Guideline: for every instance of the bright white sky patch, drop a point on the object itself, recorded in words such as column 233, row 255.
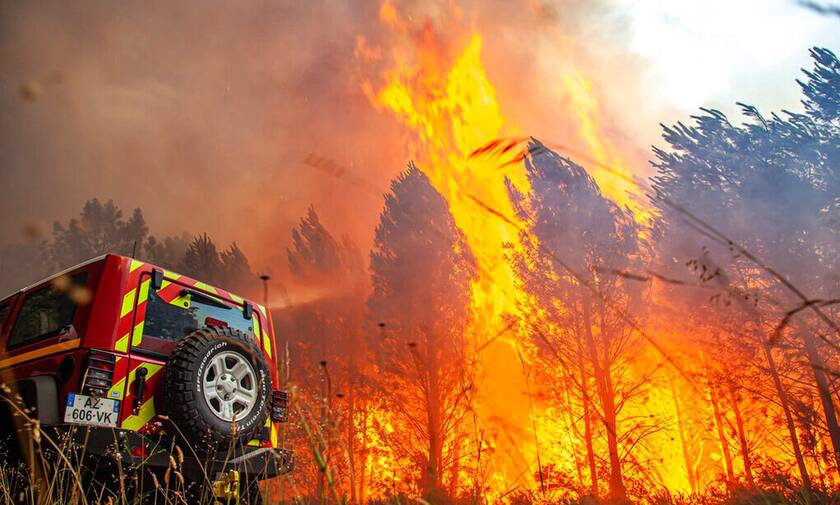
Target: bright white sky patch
column 716, row 52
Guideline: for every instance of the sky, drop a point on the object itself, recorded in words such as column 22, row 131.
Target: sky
column 204, row 113
column 722, row 51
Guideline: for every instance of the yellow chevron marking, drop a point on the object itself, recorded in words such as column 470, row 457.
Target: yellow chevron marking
column 121, row 345
column 262, row 310
column 171, row 275
column 147, row 409
column 206, row 287
column 135, row 265
column 144, row 291
column 27, row 356
column 267, row 344
column 128, row 303
column 137, row 334
column 235, row 298
column 143, row 416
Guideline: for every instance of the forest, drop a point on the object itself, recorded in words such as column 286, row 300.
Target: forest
column 688, row 352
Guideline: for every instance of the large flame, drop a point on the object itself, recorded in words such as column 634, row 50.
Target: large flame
column 451, row 108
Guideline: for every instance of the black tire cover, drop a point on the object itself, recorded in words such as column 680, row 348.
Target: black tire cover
column 183, row 396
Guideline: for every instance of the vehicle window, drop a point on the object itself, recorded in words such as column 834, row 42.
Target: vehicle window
column 4, row 311
column 45, row 312
column 169, row 321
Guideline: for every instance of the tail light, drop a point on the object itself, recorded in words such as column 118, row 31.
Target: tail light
column 99, row 373
column 279, row 402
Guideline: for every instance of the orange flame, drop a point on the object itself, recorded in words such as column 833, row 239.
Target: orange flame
column 450, row 108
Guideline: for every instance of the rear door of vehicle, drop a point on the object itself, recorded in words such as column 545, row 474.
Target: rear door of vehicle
column 162, row 317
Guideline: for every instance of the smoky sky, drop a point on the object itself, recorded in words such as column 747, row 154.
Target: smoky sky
column 203, row 113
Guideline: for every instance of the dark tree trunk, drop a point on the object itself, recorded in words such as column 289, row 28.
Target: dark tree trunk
column 742, row 436
column 434, row 417
column 689, row 468
column 818, row 367
column 791, row 427
column 606, row 395
column 724, row 444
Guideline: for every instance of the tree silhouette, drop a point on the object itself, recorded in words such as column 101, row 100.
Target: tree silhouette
column 421, row 269
column 771, row 186
column 575, row 241
column 329, row 364
column 99, row 229
column 167, row 252
column 201, row 260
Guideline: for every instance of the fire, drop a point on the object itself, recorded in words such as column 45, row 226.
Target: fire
column 451, row 111
column 608, row 167
column 440, row 91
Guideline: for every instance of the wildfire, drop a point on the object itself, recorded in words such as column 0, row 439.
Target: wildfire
column 440, row 92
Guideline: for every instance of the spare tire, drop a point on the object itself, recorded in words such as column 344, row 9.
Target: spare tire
column 217, row 385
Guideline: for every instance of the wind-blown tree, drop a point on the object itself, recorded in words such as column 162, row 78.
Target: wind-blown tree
column 769, row 191
column 421, row 268
column 99, row 229
column 576, row 246
column 329, row 364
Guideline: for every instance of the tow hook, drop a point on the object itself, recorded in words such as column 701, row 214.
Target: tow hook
column 226, row 487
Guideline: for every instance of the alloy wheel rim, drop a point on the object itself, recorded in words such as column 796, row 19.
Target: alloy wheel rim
column 230, row 386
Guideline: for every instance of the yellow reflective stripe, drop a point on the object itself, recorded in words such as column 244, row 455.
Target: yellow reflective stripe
column 122, row 344
column 262, row 310
column 254, row 443
column 27, row 356
column 128, row 303
column 137, row 335
column 147, row 409
column 135, row 265
column 267, row 344
column 143, row 416
column 171, row 275
column 144, row 291
column 206, row 287
column 273, row 435
column 235, row 298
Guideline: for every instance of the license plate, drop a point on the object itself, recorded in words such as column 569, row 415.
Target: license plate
column 92, row 411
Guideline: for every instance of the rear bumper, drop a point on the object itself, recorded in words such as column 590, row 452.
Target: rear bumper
column 154, row 452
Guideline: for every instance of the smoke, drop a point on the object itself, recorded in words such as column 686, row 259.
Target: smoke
column 203, row 113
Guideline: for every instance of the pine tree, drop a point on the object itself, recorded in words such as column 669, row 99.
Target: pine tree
column 422, row 268
column 770, row 186
column 202, row 261
column 576, row 246
column 100, row 229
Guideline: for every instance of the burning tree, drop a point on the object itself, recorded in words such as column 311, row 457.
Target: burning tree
column 752, row 211
column 576, row 311
column 421, row 269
